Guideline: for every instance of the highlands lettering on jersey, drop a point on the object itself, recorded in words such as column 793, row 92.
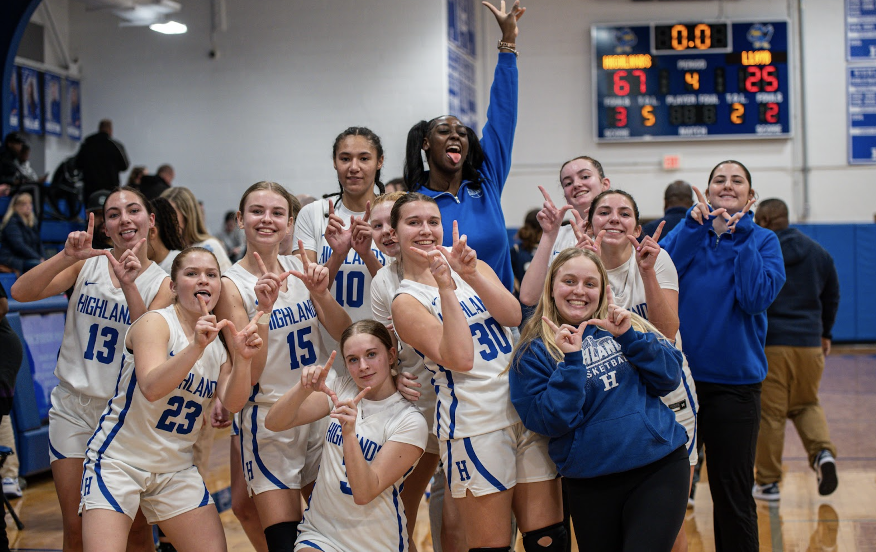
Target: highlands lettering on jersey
column 204, row 389
column 470, row 307
column 641, row 309
column 601, row 355
column 355, row 260
column 103, row 309
column 287, row 316
column 369, row 447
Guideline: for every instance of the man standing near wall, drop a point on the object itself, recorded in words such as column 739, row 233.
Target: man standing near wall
column 101, row 159
column 153, row 185
column 798, row 338
column 677, row 199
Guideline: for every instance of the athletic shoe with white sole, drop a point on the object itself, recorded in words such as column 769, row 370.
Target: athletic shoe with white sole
column 11, row 488
column 768, row 492
column 825, row 467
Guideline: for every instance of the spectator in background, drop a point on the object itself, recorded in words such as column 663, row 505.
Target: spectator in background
column 677, row 199
column 799, row 324
column 396, row 185
column 9, row 175
column 191, row 224
column 25, row 170
column 232, row 237
column 20, row 247
column 304, row 199
column 153, row 186
column 521, row 254
column 10, row 362
column 136, row 176
column 101, row 159
column 95, row 205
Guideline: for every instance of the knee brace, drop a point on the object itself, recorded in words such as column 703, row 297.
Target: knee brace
column 281, row 536
column 555, row 536
column 485, row 549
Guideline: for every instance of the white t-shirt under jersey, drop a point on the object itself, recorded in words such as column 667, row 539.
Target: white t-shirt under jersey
column 214, row 245
column 478, row 401
column 565, row 239
column 158, row 436
column 294, row 339
column 97, row 320
column 383, row 288
column 333, row 517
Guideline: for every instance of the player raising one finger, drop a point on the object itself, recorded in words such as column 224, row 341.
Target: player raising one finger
column 293, row 290
column 373, row 442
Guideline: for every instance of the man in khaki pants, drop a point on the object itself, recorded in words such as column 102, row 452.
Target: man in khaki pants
column 798, row 339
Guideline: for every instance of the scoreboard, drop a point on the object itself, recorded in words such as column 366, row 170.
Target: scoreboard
column 691, row 81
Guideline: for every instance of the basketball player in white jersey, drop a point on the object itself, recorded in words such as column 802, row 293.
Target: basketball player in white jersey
column 277, row 466
column 111, row 289
column 455, row 312
column 644, row 281
column 373, row 441
column 325, row 227
column 141, row 454
column 414, row 379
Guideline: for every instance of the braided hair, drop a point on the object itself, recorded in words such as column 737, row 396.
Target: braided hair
column 415, row 173
column 167, row 224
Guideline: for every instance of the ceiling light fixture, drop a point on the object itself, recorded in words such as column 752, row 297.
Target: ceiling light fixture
column 171, row 27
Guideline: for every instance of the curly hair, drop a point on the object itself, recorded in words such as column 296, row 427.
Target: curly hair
column 166, row 224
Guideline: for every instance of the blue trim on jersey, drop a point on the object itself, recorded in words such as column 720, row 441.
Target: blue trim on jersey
column 693, row 407
column 401, row 530
column 206, row 499
column 255, row 392
column 129, row 395
column 454, row 402
column 480, row 467
column 109, row 404
column 437, row 396
column 448, row 469
column 58, row 455
column 310, row 544
column 255, row 452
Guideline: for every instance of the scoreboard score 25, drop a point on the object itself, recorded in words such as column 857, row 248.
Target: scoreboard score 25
column 691, row 81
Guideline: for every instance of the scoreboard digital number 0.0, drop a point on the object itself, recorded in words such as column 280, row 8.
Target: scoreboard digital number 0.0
column 691, row 81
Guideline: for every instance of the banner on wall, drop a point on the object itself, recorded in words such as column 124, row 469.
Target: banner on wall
column 32, row 116
column 860, row 30
column 52, row 96
column 74, row 119
column 14, row 101
column 862, row 115
column 43, row 333
column 461, row 58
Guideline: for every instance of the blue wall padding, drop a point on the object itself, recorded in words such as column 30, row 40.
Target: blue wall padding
column 865, row 266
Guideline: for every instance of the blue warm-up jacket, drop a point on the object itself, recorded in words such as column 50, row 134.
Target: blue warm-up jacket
column 479, row 211
column 600, row 406
column 725, row 285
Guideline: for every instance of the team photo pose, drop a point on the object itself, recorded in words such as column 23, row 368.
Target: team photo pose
column 111, row 289
column 582, row 179
column 325, row 227
column 455, row 312
column 277, row 466
column 644, row 281
column 466, row 176
column 374, row 440
column 589, row 375
column 141, row 454
column 722, row 255
column 414, row 379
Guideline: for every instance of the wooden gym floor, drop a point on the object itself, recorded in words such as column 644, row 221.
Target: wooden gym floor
column 802, row 521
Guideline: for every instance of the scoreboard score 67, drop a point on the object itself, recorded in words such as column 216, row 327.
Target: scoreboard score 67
column 691, row 81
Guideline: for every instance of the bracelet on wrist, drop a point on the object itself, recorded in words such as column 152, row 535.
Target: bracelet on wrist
column 508, row 47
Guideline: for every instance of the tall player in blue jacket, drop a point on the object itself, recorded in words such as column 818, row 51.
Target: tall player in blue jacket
column 729, row 270
column 465, row 176
column 589, row 375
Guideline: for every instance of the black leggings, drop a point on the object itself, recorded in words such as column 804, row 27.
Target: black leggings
column 639, row 509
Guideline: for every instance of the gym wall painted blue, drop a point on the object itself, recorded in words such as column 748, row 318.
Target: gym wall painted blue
column 14, row 15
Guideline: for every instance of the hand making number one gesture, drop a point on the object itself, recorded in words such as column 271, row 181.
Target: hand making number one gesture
column 617, row 320
column 315, row 276
column 567, row 337
column 507, row 20
column 246, row 342
column 78, row 245
column 347, row 411
column 462, row 258
column 206, row 328
column 583, row 241
column 550, row 217
column 340, row 239
column 700, row 211
column 361, row 232
column 268, row 286
column 128, row 267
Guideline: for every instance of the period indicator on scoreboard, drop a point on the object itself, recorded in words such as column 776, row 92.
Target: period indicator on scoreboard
column 691, row 80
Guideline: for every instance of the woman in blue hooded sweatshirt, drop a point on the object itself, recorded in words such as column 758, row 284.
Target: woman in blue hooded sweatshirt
column 466, row 177
column 729, row 271
column 589, row 375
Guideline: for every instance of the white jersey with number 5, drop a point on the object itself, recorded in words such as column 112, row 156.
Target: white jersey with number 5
column 158, row 436
column 333, row 520
column 294, row 338
column 478, row 401
column 97, row 320
column 352, row 284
